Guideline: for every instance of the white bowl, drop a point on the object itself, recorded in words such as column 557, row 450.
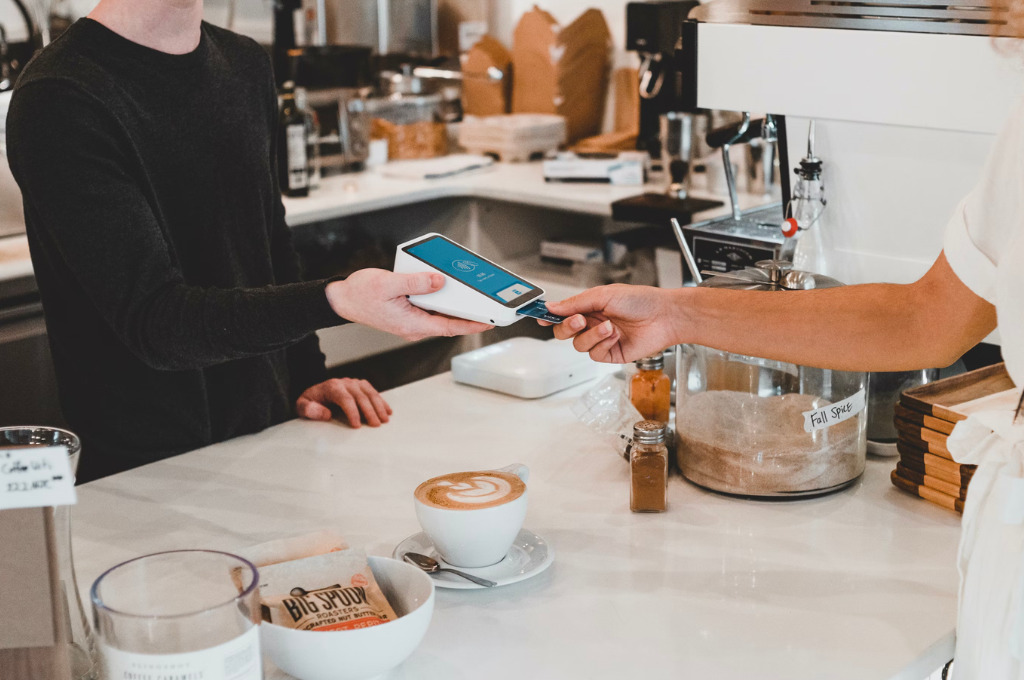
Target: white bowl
column 366, row 652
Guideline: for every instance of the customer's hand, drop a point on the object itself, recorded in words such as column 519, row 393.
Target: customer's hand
column 357, row 399
column 378, row 298
column 617, row 323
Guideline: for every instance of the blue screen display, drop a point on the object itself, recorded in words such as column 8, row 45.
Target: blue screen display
column 464, row 266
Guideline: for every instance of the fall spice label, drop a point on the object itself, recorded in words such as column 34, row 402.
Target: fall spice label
column 827, row 416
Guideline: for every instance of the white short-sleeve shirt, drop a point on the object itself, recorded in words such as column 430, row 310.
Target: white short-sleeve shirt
column 984, row 241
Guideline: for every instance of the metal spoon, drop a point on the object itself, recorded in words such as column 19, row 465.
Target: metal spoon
column 430, row 565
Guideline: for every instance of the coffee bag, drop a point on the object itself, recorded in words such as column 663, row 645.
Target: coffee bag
column 335, row 591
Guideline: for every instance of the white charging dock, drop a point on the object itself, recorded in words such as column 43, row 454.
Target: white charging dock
column 524, row 367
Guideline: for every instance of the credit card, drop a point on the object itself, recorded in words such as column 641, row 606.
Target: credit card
column 538, row 310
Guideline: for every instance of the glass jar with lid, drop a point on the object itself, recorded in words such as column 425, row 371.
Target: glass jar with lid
column 757, row 427
column 648, row 467
column 413, row 125
column 650, row 390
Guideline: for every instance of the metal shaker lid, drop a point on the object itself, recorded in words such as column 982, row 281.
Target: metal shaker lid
column 770, row 275
column 655, row 362
column 649, row 432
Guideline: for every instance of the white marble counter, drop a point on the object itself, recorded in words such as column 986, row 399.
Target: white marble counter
column 350, row 194
column 856, row 585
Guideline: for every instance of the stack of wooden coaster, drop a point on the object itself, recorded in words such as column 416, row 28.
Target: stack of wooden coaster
column 925, row 417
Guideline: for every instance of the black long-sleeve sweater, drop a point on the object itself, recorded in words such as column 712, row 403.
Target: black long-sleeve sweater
column 171, row 290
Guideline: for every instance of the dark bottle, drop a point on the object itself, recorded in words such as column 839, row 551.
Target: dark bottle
column 292, row 164
column 285, row 12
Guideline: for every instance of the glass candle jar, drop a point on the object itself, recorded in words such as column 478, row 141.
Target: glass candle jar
column 181, row 614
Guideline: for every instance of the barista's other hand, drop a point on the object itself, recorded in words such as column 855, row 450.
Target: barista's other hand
column 377, row 298
column 617, row 323
column 357, row 400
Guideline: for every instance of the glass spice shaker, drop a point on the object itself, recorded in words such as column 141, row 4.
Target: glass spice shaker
column 650, row 389
column 648, row 467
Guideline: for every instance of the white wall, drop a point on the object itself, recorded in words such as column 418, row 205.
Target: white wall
column 14, row 24
column 12, row 21
column 253, row 18
column 904, row 124
column 506, row 14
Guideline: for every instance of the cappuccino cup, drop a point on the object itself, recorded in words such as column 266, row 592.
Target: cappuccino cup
column 472, row 518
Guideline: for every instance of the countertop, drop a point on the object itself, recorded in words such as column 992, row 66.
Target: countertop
column 357, row 193
column 859, row 585
column 349, row 194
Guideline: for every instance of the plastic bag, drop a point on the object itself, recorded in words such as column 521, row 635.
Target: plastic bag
column 606, row 408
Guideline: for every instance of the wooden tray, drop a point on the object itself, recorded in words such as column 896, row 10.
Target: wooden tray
column 929, row 463
column 954, row 490
column 937, row 448
column 925, row 434
column 948, row 399
column 918, row 465
column 929, row 494
column 922, row 420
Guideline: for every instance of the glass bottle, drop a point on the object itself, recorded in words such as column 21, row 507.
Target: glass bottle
column 650, row 389
column 293, row 168
column 648, row 467
column 807, row 207
column 312, row 124
column 76, row 630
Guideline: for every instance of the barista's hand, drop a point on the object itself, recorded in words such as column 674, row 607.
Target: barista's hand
column 357, row 399
column 618, row 323
column 377, row 298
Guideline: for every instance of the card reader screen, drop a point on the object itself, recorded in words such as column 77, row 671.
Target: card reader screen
column 474, row 271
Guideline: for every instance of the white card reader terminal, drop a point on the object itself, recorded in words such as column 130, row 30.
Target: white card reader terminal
column 475, row 288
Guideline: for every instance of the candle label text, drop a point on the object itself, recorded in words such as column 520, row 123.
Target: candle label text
column 237, row 659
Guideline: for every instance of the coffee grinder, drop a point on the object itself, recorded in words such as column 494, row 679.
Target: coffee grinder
column 652, row 31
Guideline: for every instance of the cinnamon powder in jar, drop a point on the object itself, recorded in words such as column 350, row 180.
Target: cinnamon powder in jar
column 648, row 467
column 650, row 390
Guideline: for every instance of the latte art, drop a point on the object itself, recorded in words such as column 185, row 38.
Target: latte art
column 470, row 490
column 477, row 491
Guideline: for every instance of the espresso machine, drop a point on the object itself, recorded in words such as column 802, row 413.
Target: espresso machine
column 666, row 117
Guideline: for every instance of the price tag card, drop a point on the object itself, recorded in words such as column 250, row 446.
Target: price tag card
column 36, row 477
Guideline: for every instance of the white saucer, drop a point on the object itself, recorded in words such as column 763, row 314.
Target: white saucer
column 529, row 555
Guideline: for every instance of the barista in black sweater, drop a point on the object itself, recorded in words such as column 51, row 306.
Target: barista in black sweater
column 143, row 143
